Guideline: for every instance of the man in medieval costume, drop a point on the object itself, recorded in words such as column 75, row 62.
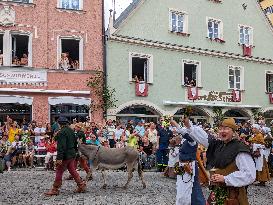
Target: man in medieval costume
column 66, row 154
column 188, row 188
column 230, row 161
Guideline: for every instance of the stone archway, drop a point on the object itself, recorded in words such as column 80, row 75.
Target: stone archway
column 238, row 114
column 199, row 114
column 136, row 109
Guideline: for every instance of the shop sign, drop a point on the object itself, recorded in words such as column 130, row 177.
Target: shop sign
column 214, row 96
column 23, row 76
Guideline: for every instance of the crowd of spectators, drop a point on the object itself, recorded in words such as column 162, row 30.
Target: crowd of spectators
column 22, row 145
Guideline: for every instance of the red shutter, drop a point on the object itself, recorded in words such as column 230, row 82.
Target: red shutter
column 142, row 89
column 192, row 93
column 236, row 96
column 247, row 50
column 271, row 98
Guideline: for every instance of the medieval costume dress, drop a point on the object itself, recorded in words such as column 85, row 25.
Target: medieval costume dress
column 188, row 188
column 258, row 145
column 232, row 160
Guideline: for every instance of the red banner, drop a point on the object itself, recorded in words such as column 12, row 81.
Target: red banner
column 236, row 95
column 142, row 89
column 192, row 93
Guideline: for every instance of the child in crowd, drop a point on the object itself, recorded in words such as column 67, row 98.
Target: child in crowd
column 173, row 157
column 51, row 148
column 29, row 154
column 92, row 140
column 122, row 141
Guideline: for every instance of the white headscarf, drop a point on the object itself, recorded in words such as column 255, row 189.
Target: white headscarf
column 258, row 127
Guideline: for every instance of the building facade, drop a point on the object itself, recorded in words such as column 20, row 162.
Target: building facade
column 49, row 49
column 267, row 6
column 190, row 53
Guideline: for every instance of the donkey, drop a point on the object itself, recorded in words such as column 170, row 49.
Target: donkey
column 113, row 158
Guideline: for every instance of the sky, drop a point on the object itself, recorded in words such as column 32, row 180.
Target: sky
column 120, row 6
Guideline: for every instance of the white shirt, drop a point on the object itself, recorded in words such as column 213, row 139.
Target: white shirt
column 39, row 130
column 118, row 133
column 244, row 162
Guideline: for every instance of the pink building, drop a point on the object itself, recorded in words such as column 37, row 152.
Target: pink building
column 49, row 49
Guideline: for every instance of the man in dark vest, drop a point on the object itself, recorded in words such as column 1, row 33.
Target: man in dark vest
column 66, row 153
column 229, row 160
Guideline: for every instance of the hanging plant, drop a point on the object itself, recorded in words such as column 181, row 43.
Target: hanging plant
column 104, row 93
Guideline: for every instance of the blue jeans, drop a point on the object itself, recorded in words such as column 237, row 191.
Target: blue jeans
column 162, row 157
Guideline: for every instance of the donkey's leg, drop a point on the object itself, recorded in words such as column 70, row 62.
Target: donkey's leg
column 140, row 174
column 130, row 174
column 103, row 177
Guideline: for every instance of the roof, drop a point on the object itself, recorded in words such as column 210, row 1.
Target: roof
column 124, row 15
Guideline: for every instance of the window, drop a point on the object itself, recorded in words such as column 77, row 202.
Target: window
column 215, row 28
column 269, row 82
column 20, row 44
column 1, row 49
column 70, row 111
column 15, row 48
column 178, row 22
column 246, row 35
column 191, row 73
column 236, row 76
column 70, row 4
column 141, row 66
column 71, row 54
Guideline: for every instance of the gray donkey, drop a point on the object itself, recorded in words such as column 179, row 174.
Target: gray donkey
column 113, row 158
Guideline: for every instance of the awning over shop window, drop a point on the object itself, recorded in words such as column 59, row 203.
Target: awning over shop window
column 69, row 100
column 16, row 99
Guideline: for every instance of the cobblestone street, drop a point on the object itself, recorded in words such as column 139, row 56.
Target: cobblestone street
column 27, row 187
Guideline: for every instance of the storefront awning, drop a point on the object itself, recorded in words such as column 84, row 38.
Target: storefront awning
column 16, row 99
column 69, row 100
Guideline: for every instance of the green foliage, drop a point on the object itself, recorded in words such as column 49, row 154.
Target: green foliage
column 256, row 113
column 219, row 116
column 105, row 94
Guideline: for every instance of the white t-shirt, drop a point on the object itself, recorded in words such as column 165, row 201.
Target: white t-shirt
column 38, row 131
column 118, row 133
column 110, row 131
column 152, row 136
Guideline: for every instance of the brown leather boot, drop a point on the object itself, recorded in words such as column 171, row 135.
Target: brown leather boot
column 55, row 189
column 81, row 186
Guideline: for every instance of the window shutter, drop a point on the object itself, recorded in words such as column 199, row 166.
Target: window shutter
column 251, row 37
column 242, row 78
column 221, row 31
column 150, row 70
column 186, row 23
column 130, row 67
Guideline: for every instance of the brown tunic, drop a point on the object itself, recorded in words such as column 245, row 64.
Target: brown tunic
column 236, row 195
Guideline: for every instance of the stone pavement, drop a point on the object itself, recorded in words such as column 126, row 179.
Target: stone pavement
column 27, row 187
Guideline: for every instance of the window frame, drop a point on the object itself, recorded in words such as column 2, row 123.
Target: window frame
column 149, row 58
column 251, row 34
column 7, row 46
column 270, row 72
column 59, row 6
column 185, row 21
column 220, row 28
column 241, row 68
column 198, row 71
column 59, row 49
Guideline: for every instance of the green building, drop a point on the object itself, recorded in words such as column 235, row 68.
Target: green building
column 207, row 54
